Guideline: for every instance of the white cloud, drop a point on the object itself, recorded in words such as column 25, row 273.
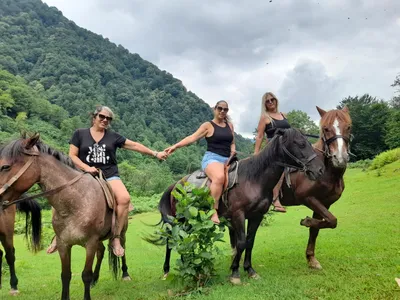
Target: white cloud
column 307, row 52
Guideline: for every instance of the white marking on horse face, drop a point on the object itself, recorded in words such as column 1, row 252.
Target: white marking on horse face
column 339, row 151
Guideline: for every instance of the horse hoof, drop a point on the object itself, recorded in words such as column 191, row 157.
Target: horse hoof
column 14, row 292
column 306, row 222
column 314, row 264
column 235, row 280
column 164, row 276
column 126, row 278
column 255, row 276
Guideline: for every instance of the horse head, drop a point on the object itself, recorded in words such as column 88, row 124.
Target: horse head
column 299, row 153
column 18, row 168
column 335, row 133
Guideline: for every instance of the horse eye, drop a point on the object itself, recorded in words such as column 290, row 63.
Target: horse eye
column 302, row 145
column 5, row 168
column 326, row 129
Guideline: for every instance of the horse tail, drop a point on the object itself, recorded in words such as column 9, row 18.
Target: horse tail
column 113, row 260
column 165, row 209
column 165, row 205
column 33, row 222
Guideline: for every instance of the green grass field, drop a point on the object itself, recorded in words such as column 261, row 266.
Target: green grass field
column 361, row 257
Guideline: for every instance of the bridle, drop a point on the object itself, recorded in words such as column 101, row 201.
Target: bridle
column 33, row 155
column 300, row 165
column 327, row 142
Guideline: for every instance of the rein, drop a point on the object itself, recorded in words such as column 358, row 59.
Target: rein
column 301, row 166
column 13, row 179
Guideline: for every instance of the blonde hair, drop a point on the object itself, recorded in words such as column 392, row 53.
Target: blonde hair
column 264, row 111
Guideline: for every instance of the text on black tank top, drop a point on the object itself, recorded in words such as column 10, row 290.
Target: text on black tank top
column 271, row 127
column 220, row 142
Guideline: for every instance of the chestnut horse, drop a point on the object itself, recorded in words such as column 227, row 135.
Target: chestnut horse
column 333, row 151
column 81, row 214
column 33, row 225
column 251, row 197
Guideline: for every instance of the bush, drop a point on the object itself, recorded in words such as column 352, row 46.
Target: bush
column 145, row 204
column 193, row 235
column 385, row 158
column 361, row 164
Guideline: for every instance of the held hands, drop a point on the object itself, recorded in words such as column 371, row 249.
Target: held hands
column 170, row 150
column 162, row 155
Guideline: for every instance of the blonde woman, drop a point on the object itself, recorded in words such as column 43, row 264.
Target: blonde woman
column 270, row 120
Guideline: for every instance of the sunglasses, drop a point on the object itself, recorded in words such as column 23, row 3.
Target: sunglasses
column 270, row 101
column 222, row 109
column 102, row 117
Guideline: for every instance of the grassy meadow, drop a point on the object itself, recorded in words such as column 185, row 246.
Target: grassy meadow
column 361, row 257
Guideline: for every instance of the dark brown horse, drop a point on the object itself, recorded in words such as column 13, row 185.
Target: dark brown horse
column 81, row 214
column 33, row 225
column 251, row 197
column 333, row 151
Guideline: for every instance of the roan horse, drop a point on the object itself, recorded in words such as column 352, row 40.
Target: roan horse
column 33, row 225
column 81, row 216
column 251, row 197
column 333, row 151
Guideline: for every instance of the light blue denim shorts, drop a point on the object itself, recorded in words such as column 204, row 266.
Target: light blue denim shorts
column 210, row 157
column 113, row 178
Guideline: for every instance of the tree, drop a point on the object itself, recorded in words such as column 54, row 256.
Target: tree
column 300, row 120
column 369, row 117
column 392, row 136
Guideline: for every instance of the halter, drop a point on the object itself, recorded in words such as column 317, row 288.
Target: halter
column 26, row 166
column 327, row 142
column 301, row 166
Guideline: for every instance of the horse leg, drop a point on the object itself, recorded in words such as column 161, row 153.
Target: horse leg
column 232, row 237
column 328, row 219
column 99, row 256
column 125, row 274
column 167, row 261
column 238, row 223
column 252, row 227
column 10, row 259
column 87, row 273
column 65, row 255
column 310, row 252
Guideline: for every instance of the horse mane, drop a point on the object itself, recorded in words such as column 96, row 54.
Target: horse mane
column 14, row 151
column 330, row 116
column 253, row 167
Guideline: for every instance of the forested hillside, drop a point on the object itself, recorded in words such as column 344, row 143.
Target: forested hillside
column 62, row 71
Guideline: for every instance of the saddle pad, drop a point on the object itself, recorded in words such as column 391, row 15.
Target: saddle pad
column 198, row 178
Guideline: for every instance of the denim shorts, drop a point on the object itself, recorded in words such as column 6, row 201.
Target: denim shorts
column 113, row 178
column 210, row 157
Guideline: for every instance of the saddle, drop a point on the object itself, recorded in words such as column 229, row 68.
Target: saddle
column 107, row 189
column 200, row 179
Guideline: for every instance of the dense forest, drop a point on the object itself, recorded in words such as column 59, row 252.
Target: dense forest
column 53, row 73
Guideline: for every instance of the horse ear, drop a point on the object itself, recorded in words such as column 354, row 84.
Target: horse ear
column 321, row 111
column 31, row 141
column 279, row 131
column 345, row 109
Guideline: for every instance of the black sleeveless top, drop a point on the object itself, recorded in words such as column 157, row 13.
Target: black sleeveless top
column 220, row 142
column 271, row 127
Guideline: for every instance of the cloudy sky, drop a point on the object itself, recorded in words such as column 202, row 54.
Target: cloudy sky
column 308, row 52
